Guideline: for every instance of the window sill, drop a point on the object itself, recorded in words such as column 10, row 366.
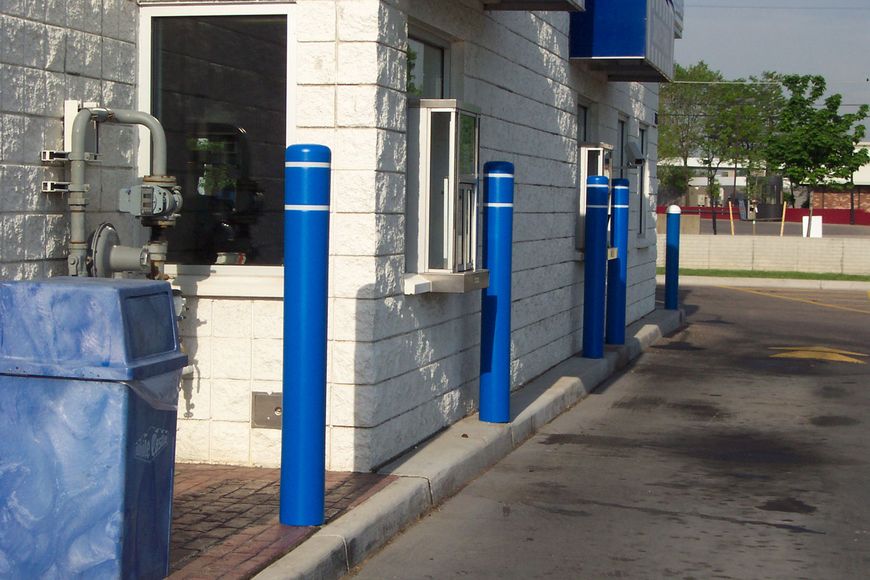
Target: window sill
column 228, row 281
column 446, row 282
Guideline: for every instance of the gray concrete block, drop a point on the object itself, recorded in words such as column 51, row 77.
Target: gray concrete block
column 320, row 556
column 454, row 457
column 370, row 525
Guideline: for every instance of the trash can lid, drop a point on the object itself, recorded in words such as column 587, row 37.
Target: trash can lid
column 88, row 328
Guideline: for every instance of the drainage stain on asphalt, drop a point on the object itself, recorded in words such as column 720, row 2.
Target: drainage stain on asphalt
column 679, row 345
column 829, row 392
column 717, row 448
column 745, row 447
column 700, row 410
column 834, row 421
column 788, row 505
column 640, row 403
column 697, row 410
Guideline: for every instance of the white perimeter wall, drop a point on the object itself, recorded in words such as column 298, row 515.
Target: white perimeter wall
column 836, row 255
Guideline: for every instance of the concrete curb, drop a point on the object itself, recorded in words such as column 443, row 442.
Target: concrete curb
column 769, row 283
column 437, row 469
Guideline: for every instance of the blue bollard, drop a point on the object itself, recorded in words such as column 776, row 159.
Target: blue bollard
column 495, row 318
column 672, row 259
column 617, row 269
column 306, row 260
column 595, row 266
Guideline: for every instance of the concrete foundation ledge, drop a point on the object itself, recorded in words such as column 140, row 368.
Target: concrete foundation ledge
column 440, row 467
column 782, row 283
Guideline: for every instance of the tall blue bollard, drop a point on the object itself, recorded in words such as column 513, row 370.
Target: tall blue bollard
column 672, row 259
column 617, row 269
column 306, row 259
column 495, row 319
column 595, row 266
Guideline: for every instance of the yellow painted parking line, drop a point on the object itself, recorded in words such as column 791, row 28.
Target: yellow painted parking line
column 819, row 349
column 817, row 355
column 791, row 298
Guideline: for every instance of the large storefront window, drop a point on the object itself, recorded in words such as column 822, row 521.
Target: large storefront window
column 218, row 86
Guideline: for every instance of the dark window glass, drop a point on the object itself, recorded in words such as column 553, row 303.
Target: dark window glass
column 620, row 149
column 219, row 89
column 582, row 124
column 425, row 70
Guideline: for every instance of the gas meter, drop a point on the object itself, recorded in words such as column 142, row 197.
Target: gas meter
column 150, row 201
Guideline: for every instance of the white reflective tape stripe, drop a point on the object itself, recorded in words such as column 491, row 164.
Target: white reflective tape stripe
column 320, row 164
column 620, row 206
column 494, row 204
column 598, row 206
column 499, row 175
column 620, row 187
column 306, row 208
column 597, row 185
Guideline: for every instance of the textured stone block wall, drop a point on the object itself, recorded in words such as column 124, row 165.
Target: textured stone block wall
column 49, row 52
column 400, row 367
column 236, row 348
column 404, row 367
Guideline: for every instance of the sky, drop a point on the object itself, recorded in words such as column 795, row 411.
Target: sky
column 747, row 37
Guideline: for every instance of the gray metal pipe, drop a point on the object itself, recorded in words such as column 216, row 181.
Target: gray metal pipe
column 123, row 258
column 158, row 136
column 77, row 199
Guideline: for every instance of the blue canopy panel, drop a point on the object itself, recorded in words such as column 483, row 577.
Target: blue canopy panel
column 558, row 5
column 630, row 40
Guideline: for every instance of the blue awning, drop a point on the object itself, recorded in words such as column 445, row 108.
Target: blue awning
column 556, row 5
column 630, row 40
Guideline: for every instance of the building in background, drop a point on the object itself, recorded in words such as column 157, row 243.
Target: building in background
column 234, row 82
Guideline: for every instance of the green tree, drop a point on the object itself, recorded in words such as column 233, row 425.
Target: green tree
column 813, row 142
column 749, row 116
column 683, row 108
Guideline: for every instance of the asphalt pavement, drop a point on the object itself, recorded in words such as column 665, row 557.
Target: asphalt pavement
column 734, row 448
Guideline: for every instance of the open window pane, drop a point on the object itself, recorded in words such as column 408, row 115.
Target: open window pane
column 439, row 190
column 219, row 89
column 467, row 145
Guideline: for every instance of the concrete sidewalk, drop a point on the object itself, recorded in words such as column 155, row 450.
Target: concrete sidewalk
column 782, row 283
column 436, row 470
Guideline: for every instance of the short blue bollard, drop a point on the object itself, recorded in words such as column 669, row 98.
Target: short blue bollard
column 306, row 261
column 672, row 259
column 495, row 322
column 617, row 268
column 595, row 266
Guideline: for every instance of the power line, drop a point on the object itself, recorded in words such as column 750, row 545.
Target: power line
column 767, row 7
column 726, row 82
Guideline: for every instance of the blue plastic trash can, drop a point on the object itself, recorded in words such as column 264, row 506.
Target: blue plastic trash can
column 89, row 374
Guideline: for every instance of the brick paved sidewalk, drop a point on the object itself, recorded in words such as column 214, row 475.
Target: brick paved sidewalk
column 225, row 519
